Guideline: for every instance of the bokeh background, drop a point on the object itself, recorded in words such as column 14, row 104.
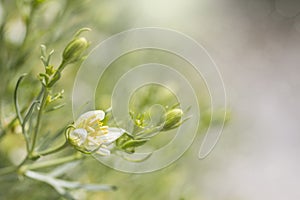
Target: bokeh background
column 255, row 44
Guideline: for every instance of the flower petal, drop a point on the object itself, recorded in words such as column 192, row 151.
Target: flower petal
column 112, row 135
column 78, row 136
column 103, row 151
column 91, row 116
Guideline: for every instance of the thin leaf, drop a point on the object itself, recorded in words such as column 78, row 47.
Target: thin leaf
column 60, row 170
column 55, row 107
column 134, row 143
column 97, row 187
column 30, row 111
column 16, row 98
column 50, row 139
column 49, row 57
column 80, row 31
column 43, row 50
column 176, row 105
column 136, row 160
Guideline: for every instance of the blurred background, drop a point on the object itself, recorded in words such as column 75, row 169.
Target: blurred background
column 255, row 44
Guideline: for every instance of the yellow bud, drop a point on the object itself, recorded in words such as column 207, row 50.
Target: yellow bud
column 73, row 51
column 172, row 119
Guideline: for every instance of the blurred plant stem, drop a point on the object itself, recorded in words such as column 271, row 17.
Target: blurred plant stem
column 8, row 170
column 37, row 127
column 53, row 150
column 22, row 168
column 50, row 163
column 10, row 63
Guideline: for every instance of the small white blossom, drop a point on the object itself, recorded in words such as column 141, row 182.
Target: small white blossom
column 90, row 135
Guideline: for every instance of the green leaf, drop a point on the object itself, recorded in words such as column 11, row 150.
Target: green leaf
column 130, row 159
column 55, row 107
column 124, row 138
column 16, row 103
column 30, row 111
column 134, row 143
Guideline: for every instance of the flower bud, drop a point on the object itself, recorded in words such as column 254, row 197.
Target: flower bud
column 73, row 51
column 172, row 119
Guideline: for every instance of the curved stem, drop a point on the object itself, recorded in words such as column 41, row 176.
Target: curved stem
column 51, row 163
column 53, row 150
column 21, row 168
column 37, row 127
column 16, row 104
column 26, row 118
column 26, row 138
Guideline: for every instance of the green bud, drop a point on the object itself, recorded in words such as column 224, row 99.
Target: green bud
column 44, row 78
column 172, row 119
column 134, row 143
column 50, row 70
column 74, row 50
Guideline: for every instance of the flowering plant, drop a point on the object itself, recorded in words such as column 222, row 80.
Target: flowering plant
column 42, row 146
column 89, row 134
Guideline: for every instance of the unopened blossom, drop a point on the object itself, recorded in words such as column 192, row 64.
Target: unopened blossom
column 173, row 119
column 74, row 50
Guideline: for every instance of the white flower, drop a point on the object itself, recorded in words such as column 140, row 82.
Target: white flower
column 90, row 135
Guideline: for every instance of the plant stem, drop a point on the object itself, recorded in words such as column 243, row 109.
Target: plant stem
column 53, row 150
column 7, row 170
column 34, row 137
column 57, row 74
column 26, row 138
column 54, row 162
column 21, row 169
column 16, row 104
column 26, row 118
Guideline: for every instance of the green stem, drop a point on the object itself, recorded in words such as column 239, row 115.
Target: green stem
column 16, row 104
column 57, row 74
column 26, row 118
column 26, row 138
column 7, row 170
column 51, row 163
column 21, row 169
column 37, row 127
column 53, row 150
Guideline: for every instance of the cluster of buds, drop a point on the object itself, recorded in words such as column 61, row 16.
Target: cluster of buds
column 73, row 52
